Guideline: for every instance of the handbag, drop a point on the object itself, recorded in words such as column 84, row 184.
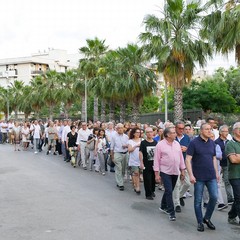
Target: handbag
column 110, row 163
column 91, row 145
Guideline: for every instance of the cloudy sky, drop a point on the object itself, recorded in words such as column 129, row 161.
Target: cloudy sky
column 28, row 26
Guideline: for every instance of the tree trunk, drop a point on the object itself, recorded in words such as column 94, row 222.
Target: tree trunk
column 111, row 111
column 16, row 114
column 135, row 112
column 122, row 111
column 51, row 112
column 83, row 114
column 178, row 104
column 103, row 110
column 237, row 54
column 95, row 109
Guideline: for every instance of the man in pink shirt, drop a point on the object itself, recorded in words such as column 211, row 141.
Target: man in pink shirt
column 168, row 160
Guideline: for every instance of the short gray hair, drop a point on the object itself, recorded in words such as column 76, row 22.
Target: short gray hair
column 167, row 131
column 236, row 125
column 223, row 127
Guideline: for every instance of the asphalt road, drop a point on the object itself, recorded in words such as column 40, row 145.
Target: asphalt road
column 42, row 197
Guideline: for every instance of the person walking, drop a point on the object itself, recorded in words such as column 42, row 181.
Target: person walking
column 182, row 185
column 146, row 156
column 134, row 161
column 202, row 168
column 118, row 153
column 233, row 154
column 169, row 161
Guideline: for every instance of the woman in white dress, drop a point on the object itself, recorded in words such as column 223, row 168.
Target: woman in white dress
column 25, row 136
column 134, row 161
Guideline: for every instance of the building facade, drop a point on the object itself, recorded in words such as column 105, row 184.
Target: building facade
column 26, row 68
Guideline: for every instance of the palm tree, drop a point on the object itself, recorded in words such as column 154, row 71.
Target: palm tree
column 222, row 27
column 51, row 92
column 16, row 92
column 5, row 107
column 25, row 101
column 68, row 94
column 137, row 79
column 88, row 65
column 36, row 98
column 172, row 40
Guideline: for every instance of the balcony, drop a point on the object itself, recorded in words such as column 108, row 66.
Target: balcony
column 37, row 72
column 9, row 73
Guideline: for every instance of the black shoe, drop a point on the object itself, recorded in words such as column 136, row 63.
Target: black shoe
column 182, row 203
column 112, row 170
column 54, row 153
column 209, row 224
column 200, row 227
column 178, row 209
column 153, row 195
column 47, row 152
column 149, row 198
column 121, row 188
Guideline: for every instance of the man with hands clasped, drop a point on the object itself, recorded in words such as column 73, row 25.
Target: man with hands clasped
column 202, row 168
column 169, row 161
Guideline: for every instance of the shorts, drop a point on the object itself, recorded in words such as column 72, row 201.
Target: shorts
column 134, row 169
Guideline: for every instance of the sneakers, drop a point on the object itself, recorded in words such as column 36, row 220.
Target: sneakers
column 230, row 202
column 172, row 218
column 182, row 203
column 233, row 221
column 164, row 210
column 178, row 209
column 222, row 206
column 149, row 198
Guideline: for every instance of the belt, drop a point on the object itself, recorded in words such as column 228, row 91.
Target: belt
column 122, row 152
column 82, row 141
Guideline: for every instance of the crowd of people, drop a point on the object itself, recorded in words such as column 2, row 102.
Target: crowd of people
column 171, row 155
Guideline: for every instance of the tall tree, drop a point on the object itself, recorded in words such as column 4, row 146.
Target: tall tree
column 92, row 53
column 50, row 91
column 16, row 92
column 222, row 26
column 173, row 41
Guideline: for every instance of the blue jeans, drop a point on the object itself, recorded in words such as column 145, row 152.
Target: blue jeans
column 235, row 210
column 198, row 195
column 169, row 182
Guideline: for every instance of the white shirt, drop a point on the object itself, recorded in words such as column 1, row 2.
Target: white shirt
column 4, row 127
column 65, row 131
column 83, row 135
column 36, row 130
column 109, row 134
column 118, row 140
column 134, row 155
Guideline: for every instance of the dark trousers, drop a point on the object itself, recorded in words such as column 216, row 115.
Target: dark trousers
column 59, row 146
column 169, row 182
column 68, row 157
column 235, row 210
column 149, row 182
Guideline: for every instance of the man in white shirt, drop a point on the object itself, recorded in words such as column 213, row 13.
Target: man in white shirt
column 119, row 148
column 4, row 127
column 65, row 131
column 36, row 132
column 82, row 138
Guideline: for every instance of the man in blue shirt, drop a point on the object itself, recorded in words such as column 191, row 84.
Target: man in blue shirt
column 181, row 186
column 201, row 164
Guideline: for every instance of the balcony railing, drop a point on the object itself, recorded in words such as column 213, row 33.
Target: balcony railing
column 37, row 72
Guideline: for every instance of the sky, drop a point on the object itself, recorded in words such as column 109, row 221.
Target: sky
column 29, row 26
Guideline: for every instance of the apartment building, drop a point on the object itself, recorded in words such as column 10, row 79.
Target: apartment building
column 26, row 68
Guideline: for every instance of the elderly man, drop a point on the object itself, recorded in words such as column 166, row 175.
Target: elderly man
column 233, row 154
column 82, row 139
column 202, row 168
column 222, row 141
column 119, row 146
column 182, row 185
column 168, row 159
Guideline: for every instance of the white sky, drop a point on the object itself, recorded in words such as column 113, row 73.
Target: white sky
column 27, row 26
